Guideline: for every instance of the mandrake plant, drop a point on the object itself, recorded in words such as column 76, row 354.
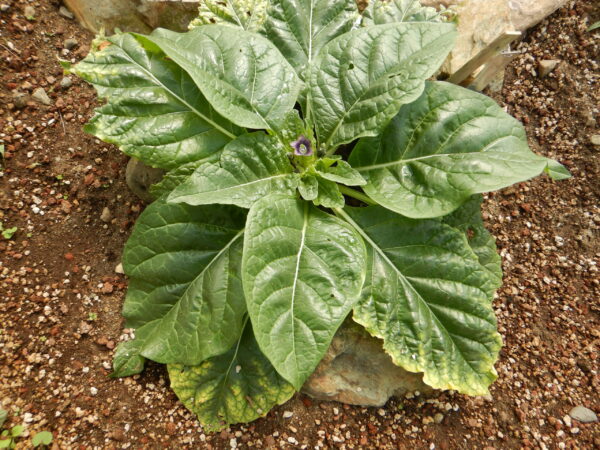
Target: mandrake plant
column 270, row 125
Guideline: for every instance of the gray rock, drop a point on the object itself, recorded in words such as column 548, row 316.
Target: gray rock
column 547, row 66
column 106, row 215
column 29, row 12
column 65, row 12
column 356, row 370
column 66, row 83
column 20, row 100
column 40, row 96
column 70, row 43
column 583, row 414
column 140, row 177
column 595, row 139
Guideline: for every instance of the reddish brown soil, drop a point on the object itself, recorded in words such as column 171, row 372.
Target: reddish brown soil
column 60, row 297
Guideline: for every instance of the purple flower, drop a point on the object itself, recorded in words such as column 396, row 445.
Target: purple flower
column 302, row 147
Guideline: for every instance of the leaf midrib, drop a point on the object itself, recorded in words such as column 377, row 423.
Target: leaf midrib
column 230, row 188
column 159, row 83
column 296, row 273
column 399, row 68
column 434, row 155
column 382, row 254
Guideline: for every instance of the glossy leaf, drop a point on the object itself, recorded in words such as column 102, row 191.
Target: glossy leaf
column 468, row 219
column 242, row 74
column 329, row 194
column 251, row 167
column 247, row 14
column 438, row 151
column 303, row 270
column 238, row 386
column 174, row 178
column 154, row 111
column 389, row 11
column 127, row 359
column 300, row 28
column 425, row 296
column 360, row 80
column 309, row 187
column 340, row 172
column 184, row 267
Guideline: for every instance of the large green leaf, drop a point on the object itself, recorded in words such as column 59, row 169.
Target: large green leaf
column 425, row 296
column 360, row 79
column 238, row 386
column 251, row 167
column 242, row 74
column 184, row 266
column 468, row 219
column 174, row 178
column 300, row 28
column 438, row 151
column 303, row 270
column 247, row 14
column 154, row 112
column 389, row 11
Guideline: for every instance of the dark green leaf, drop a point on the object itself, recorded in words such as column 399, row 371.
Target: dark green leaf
column 468, row 219
column 174, row 178
column 341, row 172
column 251, row 167
column 154, row 112
column 185, row 284
column 329, row 194
column 309, row 187
column 425, row 296
column 360, row 79
column 242, row 74
column 300, row 28
column 438, row 151
column 303, row 270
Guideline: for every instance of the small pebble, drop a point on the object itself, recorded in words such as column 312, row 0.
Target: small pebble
column 106, row 215
column 583, row 414
column 547, row 66
column 29, row 12
column 70, row 43
column 595, row 139
column 40, row 96
column 66, row 83
column 19, row 100
column 4, row 8
column 287, row 414
column 65, row 12
column 119, row 268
